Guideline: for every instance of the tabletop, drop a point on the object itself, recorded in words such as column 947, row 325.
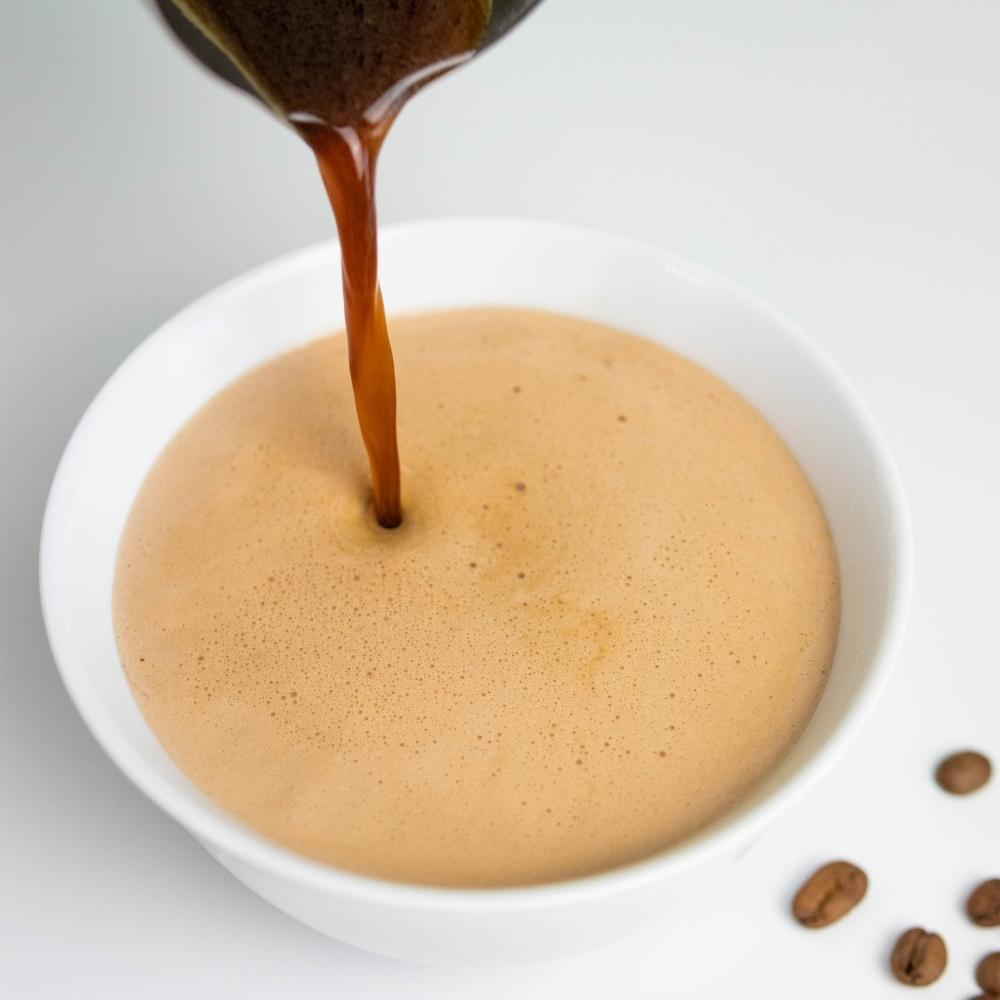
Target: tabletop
column 840, row 159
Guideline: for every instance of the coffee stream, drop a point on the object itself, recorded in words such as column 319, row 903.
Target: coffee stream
column 339, row 71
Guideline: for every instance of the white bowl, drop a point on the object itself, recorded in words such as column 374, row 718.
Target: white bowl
column 465, row 262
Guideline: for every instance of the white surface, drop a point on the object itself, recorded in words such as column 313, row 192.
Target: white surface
column 463, row 262
column 841, row 159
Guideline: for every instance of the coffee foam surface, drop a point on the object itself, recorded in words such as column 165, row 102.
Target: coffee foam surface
column 611, row 608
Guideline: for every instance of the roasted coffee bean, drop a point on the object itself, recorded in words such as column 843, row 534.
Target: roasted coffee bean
column 988, row 973
column 983, row 905
column 964, row 772
column 832, row 891
column 919, row 957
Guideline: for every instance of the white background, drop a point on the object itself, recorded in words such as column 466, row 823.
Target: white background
column 841, row 158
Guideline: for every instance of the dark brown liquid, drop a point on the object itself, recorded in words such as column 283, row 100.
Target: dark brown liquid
column 339, row 71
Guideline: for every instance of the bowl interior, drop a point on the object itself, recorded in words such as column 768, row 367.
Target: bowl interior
column 458, row 263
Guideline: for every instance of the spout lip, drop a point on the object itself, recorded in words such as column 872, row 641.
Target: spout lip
column 505, row 15
column 200, row 46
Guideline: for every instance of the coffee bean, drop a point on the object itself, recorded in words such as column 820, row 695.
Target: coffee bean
column 919, row 957
column 832, row 891
column 983, row 906
column 963, row 772
column 988, row 973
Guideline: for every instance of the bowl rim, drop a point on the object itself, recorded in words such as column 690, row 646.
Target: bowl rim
column 236, row 843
